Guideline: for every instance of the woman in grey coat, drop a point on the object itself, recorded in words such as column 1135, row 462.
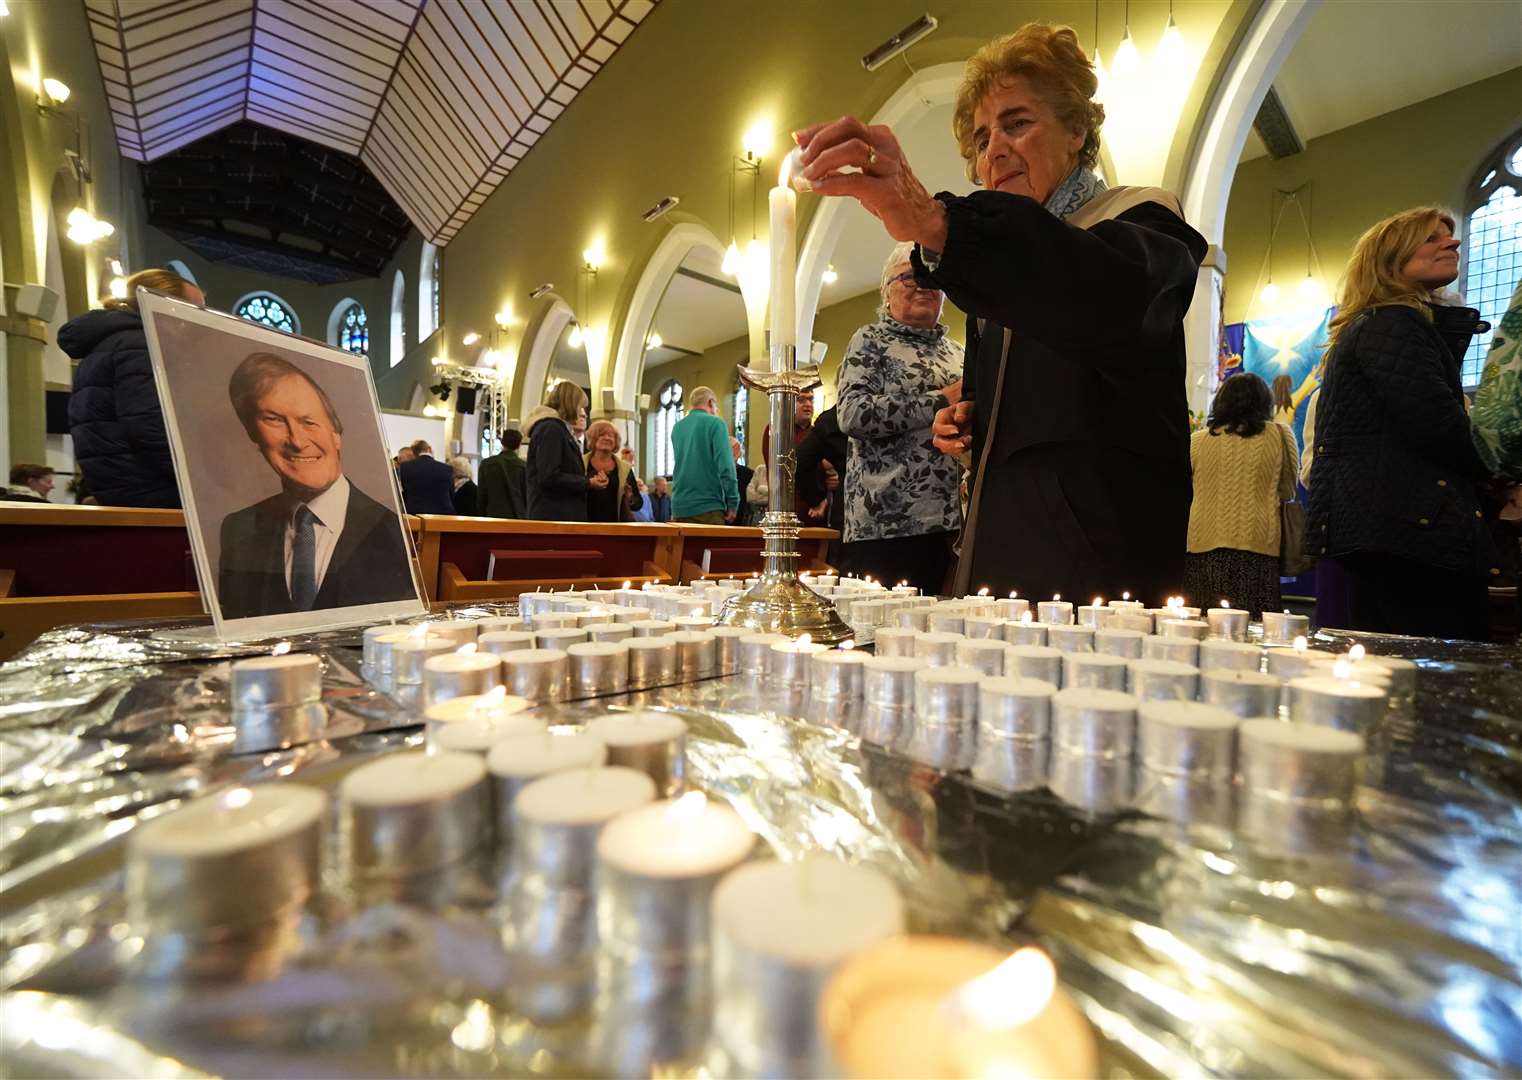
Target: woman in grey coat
column 903, row 507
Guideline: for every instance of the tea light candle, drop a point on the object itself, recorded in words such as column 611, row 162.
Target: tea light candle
column 697, row 654
column 919, row 1006
column 1070, row 639
column 836, row 674
column 652, row 662
column 727, row 648
column 556, row 816
column 596, row 616
column 1093, row 784
column 1282, row 628
column 1164, row 680
column 1293, row 662
column 1179, row 650
column 895, row 641
column 913, row 618
column 780, row 930
column 731, row 583
column 1190, row 629
column 1012, row 607
column 607, row 633
column 499, row 642
column 1025, row 632
column 540, row 675
column 1034, row 662
column 1397, row 676
column 369, row 653
column 936, row 648
column 866, row 614
column 494, row 624
column 1337, row 703
column 1227, row 622
column 455, row 674
column 516, row 761
column 482, row 718
column 1125, row 603
column 1055, row 612
column 531, row 604
column 946, row 695
column 946, row 622
column 272, row 682
column 1187, row 738
column 984, row 654
column 1010, row 764
column 983, row 627
column 227, row 861
column 568, row 602
column 409, row 656
column 1217, row 655
column 559, row 637
column 1130, row 619
column 1094, row 722
column 553, row 620
column 630, row 615
column 385, row 654
column 1119, row 642
column 406, row 813
column 1245, row 693
column 1015, row 708
column 655, row 743
column 787, row 664
column 889, row 680
column 598, row 667
column 1094, row 670
column 653, row 627
column 1095, row 616
column 692, row 622
column 1299, row 762
column 905, row 590
column 459, row 631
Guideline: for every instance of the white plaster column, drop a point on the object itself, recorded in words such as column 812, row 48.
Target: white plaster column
column 1202, row 329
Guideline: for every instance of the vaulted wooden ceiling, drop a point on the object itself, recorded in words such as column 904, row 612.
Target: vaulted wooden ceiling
column 439, row 98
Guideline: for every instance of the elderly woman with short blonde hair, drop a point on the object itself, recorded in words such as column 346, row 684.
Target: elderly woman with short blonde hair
column 617, row 497
column 1073, row 394
column 902, row 509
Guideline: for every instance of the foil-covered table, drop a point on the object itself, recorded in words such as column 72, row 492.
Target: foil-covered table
column 1201, row 932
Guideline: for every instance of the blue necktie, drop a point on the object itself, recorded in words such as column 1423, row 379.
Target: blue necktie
column 304, row 560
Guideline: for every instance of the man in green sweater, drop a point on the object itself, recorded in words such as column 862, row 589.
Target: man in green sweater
column 703, row 479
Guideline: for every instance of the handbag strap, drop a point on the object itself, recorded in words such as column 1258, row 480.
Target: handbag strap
column 969, row 526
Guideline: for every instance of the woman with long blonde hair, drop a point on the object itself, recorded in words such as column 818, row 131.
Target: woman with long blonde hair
column 114, row 413
column 1396, row 495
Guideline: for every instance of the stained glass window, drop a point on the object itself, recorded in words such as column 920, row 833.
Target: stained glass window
column 354, row 330
column 668, row 411
column 1492, row 247
column 742, row 417
column 266, row 309
column 436, row 279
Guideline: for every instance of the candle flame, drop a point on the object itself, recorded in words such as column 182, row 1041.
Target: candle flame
column 804, row 639
column 627, row 584
column 848, row 644
column 1012, row 994
column 1342, row 671
column 686, row 809
column 1356, row 653
column 419, row 632
column 467, row 649
column 1301, row 645
column 1125, row 595
column 1025, row 617
column 237, row 798
column 1012, row 594
column 1056, row 596
column 983, row 591
column 281, row 649
column 1224, row 604
column 490, row 700
column 1098, row 601
column 790, row 167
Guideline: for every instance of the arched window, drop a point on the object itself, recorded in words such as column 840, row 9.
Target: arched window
column 184, row 271
column 1492, row 245
column 428, row 292
column 269, row 309
column 668, row 410
column 398, row 318
column 349, row 327
column 742, row 417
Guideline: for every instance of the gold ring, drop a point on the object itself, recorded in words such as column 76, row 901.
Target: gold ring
column 871, row 155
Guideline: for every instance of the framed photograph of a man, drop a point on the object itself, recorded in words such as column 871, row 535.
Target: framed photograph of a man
column 289, row 494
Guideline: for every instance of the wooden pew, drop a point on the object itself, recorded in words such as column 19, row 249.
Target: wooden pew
column 456, row 554
column 721, row 551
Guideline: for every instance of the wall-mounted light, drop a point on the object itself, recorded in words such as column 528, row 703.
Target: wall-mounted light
column 86, row 228
column 654, row 341
column 661, row 208
column 118, row 288
column 829, row 277
column 4, row 9
column 1126, row 60
column 539, row 290
column 594, row 257
column 1170, row 50
column 52, row 95
column 116, row 267
column 757, row 141
column 576, row 336
column 504, row 318
column 438, row 361
column 470, row 338
column 916, row 31
column 731, row 264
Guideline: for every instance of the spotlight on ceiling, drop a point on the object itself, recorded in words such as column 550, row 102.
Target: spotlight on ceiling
column 915, row 32
column 539, row 290
column 665, row 206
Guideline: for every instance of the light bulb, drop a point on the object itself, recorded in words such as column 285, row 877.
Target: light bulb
column 1310, row 291
column 757, row 141
column 1103, row 78
column 1126, row 58
column 504, row 318
column 80, row 216
column 4, row 9
column 829, row 277
column 595, row 256
column 655, row 342
column 1270, row 293
column 576, row 337
column 57, row 92
column 470, row 338
column 118, row 288
column 1170, row 50
column 731, row 263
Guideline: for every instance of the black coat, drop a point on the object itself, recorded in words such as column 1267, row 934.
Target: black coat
column 557, row 479
column 370, row 564
column 465, row 499
column 824, row 442
column 1395, row 469
column 503, row 487
column 427, row 485
column 1087, row 489
column 114, row 412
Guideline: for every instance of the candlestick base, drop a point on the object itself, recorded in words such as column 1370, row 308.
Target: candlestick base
column 780, row 603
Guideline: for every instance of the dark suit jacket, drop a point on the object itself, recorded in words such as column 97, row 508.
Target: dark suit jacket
column 427, row 486
column 504, row 487
column 370, row 564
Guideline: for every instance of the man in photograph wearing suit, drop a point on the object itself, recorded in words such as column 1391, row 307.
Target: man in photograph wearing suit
column 321, row 542
column 427, row 483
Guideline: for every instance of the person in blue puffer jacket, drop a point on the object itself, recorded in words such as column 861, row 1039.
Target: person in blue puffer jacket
column 114, row 413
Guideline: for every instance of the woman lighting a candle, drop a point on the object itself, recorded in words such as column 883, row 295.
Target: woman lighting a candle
column 1074, row 405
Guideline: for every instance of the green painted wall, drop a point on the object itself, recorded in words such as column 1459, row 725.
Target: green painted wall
column 1424, row 153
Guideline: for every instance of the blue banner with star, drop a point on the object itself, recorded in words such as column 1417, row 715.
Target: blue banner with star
column 1285, row 352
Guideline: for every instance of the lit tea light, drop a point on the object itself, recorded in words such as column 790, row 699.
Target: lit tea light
column 654, row 743
column 474, row 723
column 406, row 813
column 1227, row 622
column 1283, row 627
column 1056, row 611
column 459, row 674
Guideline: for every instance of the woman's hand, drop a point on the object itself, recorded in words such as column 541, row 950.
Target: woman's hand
column 952, row 393
column 951, row 433
column 598, row 480
column 886, row 185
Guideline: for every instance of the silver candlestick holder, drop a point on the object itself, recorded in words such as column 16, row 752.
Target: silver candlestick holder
column 780, row 603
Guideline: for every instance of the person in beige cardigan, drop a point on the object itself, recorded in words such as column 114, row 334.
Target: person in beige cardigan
column 1244, row 466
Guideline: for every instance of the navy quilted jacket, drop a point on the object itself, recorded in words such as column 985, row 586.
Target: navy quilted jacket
column 1395, row 469
column 114, row 412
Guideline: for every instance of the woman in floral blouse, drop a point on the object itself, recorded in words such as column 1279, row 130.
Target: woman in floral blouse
column 902, row 506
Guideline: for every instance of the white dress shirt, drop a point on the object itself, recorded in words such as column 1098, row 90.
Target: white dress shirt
column 330, row 508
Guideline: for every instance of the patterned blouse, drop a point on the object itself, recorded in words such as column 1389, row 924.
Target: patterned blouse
column 897, row 483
